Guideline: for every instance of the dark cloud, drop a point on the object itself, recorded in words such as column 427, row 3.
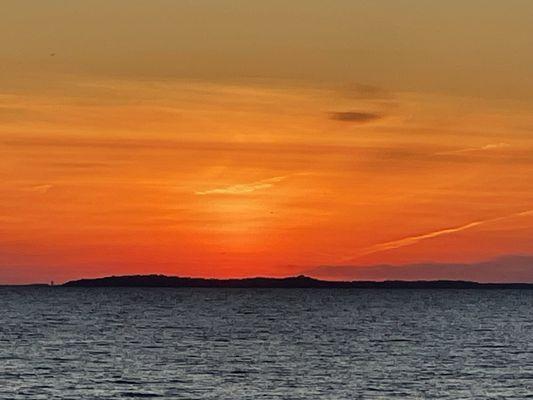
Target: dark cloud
column 512, row 268
column 355, row 116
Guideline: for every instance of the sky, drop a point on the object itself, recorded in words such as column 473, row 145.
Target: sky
column 223, row 138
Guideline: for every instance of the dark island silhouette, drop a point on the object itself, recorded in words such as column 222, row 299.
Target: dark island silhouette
column 290, row 282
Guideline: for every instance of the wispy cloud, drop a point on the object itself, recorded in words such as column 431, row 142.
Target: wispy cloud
column 494, row 146
column 42, row 189
column 245, row 187
column 408, row 241
column 490, row 146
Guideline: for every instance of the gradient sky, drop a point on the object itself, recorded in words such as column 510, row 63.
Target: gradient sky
column 238, row 138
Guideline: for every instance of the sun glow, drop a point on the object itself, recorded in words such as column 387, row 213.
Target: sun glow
column 192, row 184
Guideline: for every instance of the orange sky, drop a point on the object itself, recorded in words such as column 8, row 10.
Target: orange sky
column 186, row 165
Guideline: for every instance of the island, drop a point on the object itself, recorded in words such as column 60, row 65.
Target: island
column 289, row 282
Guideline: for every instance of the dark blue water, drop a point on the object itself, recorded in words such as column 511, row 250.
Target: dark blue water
column 58, row 343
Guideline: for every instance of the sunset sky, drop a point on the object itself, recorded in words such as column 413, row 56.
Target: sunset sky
column 239, row 138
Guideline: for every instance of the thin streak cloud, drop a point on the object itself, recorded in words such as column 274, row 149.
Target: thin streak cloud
column 411, row 240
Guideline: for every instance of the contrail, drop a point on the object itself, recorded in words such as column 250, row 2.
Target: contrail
column 408, row 241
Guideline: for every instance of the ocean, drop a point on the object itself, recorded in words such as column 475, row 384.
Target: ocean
column 190, row 343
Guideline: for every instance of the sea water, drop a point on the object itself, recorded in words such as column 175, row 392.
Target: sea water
column 114, row 343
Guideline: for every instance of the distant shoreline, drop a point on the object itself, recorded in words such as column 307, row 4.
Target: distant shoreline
column 290, row 282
